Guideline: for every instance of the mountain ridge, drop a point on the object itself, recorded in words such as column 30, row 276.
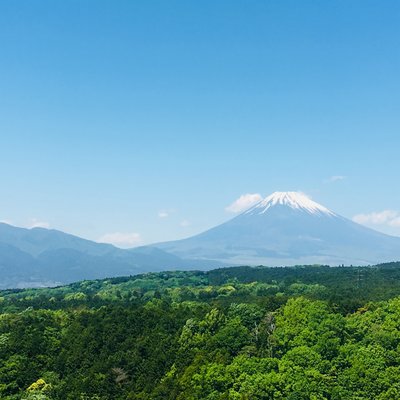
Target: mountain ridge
column 294, row 200
column 40, row 257
column 285, row 228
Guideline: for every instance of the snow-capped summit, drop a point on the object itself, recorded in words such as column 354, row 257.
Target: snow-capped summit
column 294, row 200
column 288, row 228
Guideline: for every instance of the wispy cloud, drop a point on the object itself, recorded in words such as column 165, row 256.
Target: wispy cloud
column 36, row 223
column 386, row 217
column 166, row 212
column 335, row 178
column 121, row 239
column 184, row 223
column 244, row 202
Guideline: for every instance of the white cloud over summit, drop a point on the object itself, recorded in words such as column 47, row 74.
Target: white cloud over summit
column 244, row 202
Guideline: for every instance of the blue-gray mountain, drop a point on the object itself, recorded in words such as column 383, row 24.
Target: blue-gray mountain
column 288, row 228
column 46, row 257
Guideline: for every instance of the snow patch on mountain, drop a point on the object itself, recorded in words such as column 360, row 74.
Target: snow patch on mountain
column 295, row 200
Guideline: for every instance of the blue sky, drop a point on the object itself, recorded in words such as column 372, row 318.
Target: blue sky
column 141, row 121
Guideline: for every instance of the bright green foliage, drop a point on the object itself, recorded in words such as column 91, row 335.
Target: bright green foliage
column 304, row 333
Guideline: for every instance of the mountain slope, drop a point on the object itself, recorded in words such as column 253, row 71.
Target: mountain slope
column 288, row 228
column 37, row 240
column 44, row 257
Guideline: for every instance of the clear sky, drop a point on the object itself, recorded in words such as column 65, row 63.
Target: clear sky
column 141, row 121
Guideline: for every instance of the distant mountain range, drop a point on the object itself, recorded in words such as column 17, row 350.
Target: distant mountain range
column 286, row 228
column 45, row 257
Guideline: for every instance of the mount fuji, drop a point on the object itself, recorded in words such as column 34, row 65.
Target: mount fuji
column 288, row 228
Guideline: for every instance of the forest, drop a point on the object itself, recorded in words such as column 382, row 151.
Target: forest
column 305, row 332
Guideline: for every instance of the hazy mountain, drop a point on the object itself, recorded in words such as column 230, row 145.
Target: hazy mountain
column 37, row 240
column 288, row 228
column 45, row 257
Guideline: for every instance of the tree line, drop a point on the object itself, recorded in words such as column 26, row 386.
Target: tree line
column 306, row 332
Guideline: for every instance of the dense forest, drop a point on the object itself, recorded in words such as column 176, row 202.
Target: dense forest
column 306, row 332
